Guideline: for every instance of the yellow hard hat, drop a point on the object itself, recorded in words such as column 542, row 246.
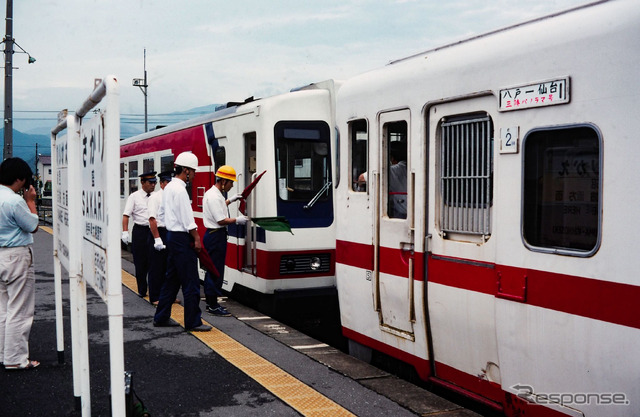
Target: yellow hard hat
column 227, row 172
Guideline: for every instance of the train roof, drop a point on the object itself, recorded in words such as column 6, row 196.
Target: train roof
column 228, row 109
column 493, row 32
column 535, row 50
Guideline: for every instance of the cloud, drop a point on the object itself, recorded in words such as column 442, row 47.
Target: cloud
column 200, row 52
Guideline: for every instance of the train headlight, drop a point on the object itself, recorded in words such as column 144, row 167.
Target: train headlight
column 315, row 263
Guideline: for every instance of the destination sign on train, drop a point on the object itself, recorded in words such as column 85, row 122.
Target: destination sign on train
column 540, row 94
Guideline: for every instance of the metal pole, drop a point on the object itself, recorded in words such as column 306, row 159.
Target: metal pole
column 145, row 91
column 8, row 84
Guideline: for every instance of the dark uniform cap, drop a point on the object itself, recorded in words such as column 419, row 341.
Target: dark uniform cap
column 165, row 175
column 149, row 176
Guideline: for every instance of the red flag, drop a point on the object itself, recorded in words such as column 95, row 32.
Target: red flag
column 246, row 192
column 207, row 263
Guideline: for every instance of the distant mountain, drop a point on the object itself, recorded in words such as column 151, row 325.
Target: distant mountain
column 24, row 146
column 197, row 111
column 130, row 125
column 25, row 140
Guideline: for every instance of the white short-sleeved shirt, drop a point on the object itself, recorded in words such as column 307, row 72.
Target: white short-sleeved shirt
column 16, row 220
column 178, row 215
column 136, row 207
column 214, row 208
column 155, row 208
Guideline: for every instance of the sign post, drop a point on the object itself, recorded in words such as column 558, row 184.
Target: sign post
column 86, row 243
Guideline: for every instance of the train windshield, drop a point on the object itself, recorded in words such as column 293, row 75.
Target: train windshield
column 303, row 165
column 303, row 161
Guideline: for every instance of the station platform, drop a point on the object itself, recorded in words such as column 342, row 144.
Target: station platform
column 248, row 365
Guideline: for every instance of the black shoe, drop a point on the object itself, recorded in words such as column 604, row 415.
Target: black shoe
column 166, row 323
column 202, row 328
column 218, row 311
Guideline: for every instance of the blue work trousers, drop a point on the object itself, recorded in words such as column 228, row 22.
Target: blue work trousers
column 140, row 251
column 182, row 271
column 215, row 243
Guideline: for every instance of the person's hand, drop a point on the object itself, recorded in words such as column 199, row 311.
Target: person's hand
column 125, row 237
column 158, row 245
column 197, row 246
column 30, row 194
column 235, row 198
column 242, row 220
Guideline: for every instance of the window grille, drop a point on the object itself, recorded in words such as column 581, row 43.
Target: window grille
column 466, row 170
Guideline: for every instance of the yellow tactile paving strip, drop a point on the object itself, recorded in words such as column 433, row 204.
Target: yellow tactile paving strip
column 298, row 395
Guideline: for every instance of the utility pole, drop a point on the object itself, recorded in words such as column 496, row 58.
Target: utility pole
column 8, row 83
column 9, row 43
column 142, row 84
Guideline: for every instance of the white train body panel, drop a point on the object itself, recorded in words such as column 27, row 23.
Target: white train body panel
column 527, row 251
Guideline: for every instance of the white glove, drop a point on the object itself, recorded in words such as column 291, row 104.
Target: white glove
column 241, row 220
column 125, row 238
column 158, row 245
column 235, row 198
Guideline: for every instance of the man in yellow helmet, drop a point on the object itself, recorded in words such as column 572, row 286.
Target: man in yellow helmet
column 215, row 216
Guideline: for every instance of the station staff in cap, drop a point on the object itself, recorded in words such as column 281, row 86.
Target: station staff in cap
column 157, row 248
column 183, row 244
column 216, row 217
column 136, row 209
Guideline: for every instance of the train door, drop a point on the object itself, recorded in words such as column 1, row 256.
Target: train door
column 250, row 249
column 394, row 244
column 461, row 274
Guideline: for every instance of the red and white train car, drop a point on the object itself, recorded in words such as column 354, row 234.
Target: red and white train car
column 510, row 274
column 290, row 136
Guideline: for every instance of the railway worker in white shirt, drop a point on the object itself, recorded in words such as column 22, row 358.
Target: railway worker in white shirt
column 157, row 249
column 183, row 244
column 18, row 220
column 136, row 208
column 215, row 216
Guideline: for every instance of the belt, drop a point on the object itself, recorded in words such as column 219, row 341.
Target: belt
column 216, row 230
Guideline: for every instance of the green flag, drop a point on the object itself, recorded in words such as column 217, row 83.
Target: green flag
column 273, row 224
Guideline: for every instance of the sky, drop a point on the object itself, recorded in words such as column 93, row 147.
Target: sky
column 201, row 52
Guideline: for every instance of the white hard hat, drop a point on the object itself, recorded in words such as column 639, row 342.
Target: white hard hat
column 187, row 160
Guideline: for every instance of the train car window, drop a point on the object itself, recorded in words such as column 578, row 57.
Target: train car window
column 133, row 176
column 220, row 157
column 166, row 163
column 562, row 191
column 148, row 165
column 122, row 180
column 395, row 134
column 303, row 161
column 359, row 146
column 466, row 175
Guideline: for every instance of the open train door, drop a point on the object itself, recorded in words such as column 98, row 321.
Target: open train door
column 394, row 234
column 250, row 254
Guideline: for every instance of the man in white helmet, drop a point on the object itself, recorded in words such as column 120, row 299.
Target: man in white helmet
column 215, row 216
column 183, row 244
